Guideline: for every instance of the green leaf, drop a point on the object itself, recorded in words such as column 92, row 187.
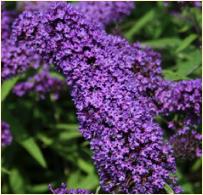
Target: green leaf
column 64, row 136
column 73, row 180
column 33, row 149
column 184, row 29
column 90, row 182
column 71, row 131
column 186, row 67
column 23, row 138
column 16, row 181
column 186, row 42
column 197, row 165
column 163, row 42
column 174, row 76
column 85, row 166
column 46, row 140
column 139, row 24
column 7, row 87
column 38, row 188
column 4, row 170
column 57, row 75
column 187, row 188
column 72, row 127
column 97, row 190
column 168, row 189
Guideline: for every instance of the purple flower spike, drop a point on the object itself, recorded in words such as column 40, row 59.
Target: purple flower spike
column 187, row 144
column 182, row 96
column 116, row 118
column 63, row 190
column 6, row 137
column 41, row 84
column 106, row 12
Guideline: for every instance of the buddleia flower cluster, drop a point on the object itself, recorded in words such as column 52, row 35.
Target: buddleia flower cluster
column 15, row 60
column 104, row 12
column 6, row 136
column 63, row 190
column 183, row 97
column 175, row 8
column 186, row 144
column 115, row 87
column 40, row 84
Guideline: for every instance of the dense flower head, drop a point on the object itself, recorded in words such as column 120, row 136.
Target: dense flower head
column 32, row 5
column 105, row 12
column 147, row 62
column 185, row 137
column 187, row 144
column 180, row 4
column 14, row 59
column 117, row 89
column 7, row 18
column 115, row 118
column 197, row 4
column 40, row 84
column 182, row 96
column 6, row 136
column 63, row 190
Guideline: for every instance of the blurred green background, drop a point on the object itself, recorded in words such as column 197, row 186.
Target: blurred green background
column 48, row 147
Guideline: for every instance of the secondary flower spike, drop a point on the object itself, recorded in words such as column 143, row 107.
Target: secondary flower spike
column 105, row 12
column 187, row 144
column 40, row 84
column 7, row 18
column 63, row 190
column 6, row 136
column 183, row 96
column 14, row 59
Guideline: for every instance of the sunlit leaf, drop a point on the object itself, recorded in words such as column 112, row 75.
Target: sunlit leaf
column 39, row 188
column 67, row 126
column 64, row 136
column 197, row 165
column 73, row 180
column 4, row 170
column 186, row 42
column 163, row 42
column 16, row 181
column 57, row 75
column 139, row 24
column 168, row 189
column 174, row 76
column 33, row 149
column 186, row 67
column 97, row 190
column 7, row 87
column 45, row 139
column 90, row 182
column 85, row 166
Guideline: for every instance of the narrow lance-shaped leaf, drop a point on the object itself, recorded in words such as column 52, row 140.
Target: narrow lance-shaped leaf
column 186, row 67
column 23, row 138
column 16, row 181
column 163, row 42
column 85, row 166
column 186, row 42
column 7, row 87
column 168, row 189
column 139, row 24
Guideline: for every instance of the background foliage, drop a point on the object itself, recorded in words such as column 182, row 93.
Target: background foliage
column 48, row 147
